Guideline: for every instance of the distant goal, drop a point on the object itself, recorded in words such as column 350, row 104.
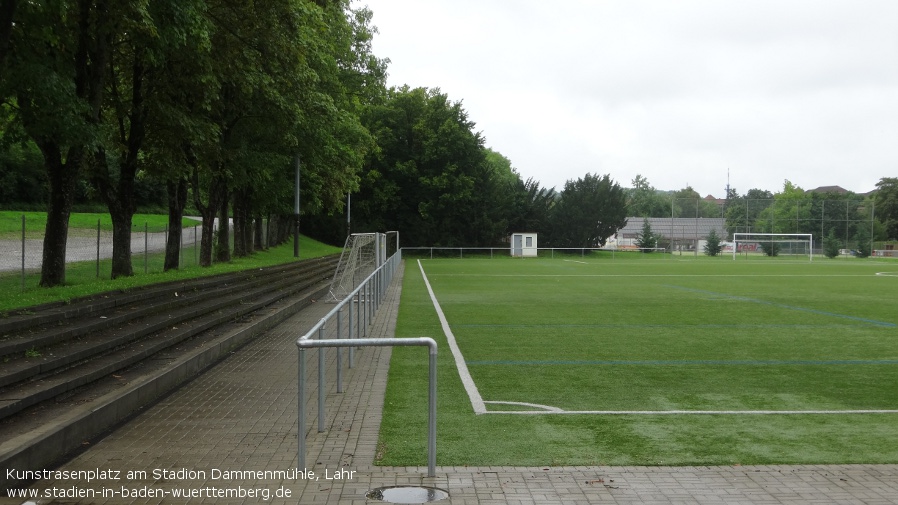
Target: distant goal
column 362, row 254
column 774, row 244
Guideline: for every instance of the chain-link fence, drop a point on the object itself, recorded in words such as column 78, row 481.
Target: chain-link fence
column 88, row 250
column 849, row 219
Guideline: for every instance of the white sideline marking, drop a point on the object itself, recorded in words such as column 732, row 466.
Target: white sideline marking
column 479, row 404
column 545, row 408
column 575, row 261
column 690, row 412
column 887, row 274
column 470, row 387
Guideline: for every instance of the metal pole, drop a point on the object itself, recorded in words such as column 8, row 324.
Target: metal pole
column 349, row 334
column 432, row 415
column 304, row 342
column 296, row 210
column 358, row 323
column 301, row 400
column 146, row 247
column 340, row 351
column 321, row 382
column 366, row 319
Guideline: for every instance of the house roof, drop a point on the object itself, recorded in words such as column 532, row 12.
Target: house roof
column 829, row 189
column 688, row 228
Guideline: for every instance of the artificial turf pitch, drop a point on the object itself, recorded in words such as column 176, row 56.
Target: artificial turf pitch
column 650, row 361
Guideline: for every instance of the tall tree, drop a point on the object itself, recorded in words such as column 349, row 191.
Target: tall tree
column 590, row 210
column 687, row 202
column 147, row 38
column 643, row 200
column 647, row 239
column 713, row 246
column 742, row 212
column 429, row 176
column 532, row 207
column 887, row 205
column 56, row 64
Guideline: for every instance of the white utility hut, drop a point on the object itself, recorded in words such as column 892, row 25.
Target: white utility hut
column 523, row 245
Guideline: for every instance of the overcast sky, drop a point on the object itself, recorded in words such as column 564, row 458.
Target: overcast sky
column 677, row 91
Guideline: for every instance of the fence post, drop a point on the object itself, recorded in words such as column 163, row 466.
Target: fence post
column 146, row 247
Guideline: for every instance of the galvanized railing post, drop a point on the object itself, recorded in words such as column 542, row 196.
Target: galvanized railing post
column 368, row 297
column 321, row 385
column 305, row 342
column 364, row 321
column 432, row 413
column 349, row 335
column 358, row 324
column 370, row 301
column 301, row 400
column 339, row 351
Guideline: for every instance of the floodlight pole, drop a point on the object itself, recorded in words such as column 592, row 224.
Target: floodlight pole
column 296, row 209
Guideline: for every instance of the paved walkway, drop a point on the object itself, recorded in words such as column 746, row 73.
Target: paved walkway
column 215, row 438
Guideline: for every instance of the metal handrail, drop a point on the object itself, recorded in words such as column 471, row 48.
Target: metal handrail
column 373, row 342
column 370, row 292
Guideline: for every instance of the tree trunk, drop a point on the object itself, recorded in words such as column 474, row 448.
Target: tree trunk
column 207, row 212
column 223, row 248
column 271, row 240
column 240, row 247
column 89, row 59
column 208, row 220
column 119, row 198
column 62, row 178
column 285, row 226
column 121, row 242
column 259, row 237
column 118, row 190
column 177, row 200
column 246, row 214
column 243, row 223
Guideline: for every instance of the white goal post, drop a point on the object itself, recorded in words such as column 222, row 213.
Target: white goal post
column 775, row 240
column 362, row 254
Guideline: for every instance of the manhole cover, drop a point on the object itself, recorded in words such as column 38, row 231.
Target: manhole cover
column 407, row 494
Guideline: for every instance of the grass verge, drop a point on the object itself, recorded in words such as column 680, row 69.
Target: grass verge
column 36, row 222
column 82, row 279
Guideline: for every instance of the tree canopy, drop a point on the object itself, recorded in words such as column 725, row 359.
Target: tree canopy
column 219, row 94
column 589, row 210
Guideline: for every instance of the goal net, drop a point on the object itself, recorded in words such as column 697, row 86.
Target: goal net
column 774, row 244
column 361, row 256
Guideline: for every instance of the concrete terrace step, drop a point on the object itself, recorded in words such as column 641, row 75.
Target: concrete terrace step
column 51, row 413
column 104, row 352
column 74, row 340
column 39, row 326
